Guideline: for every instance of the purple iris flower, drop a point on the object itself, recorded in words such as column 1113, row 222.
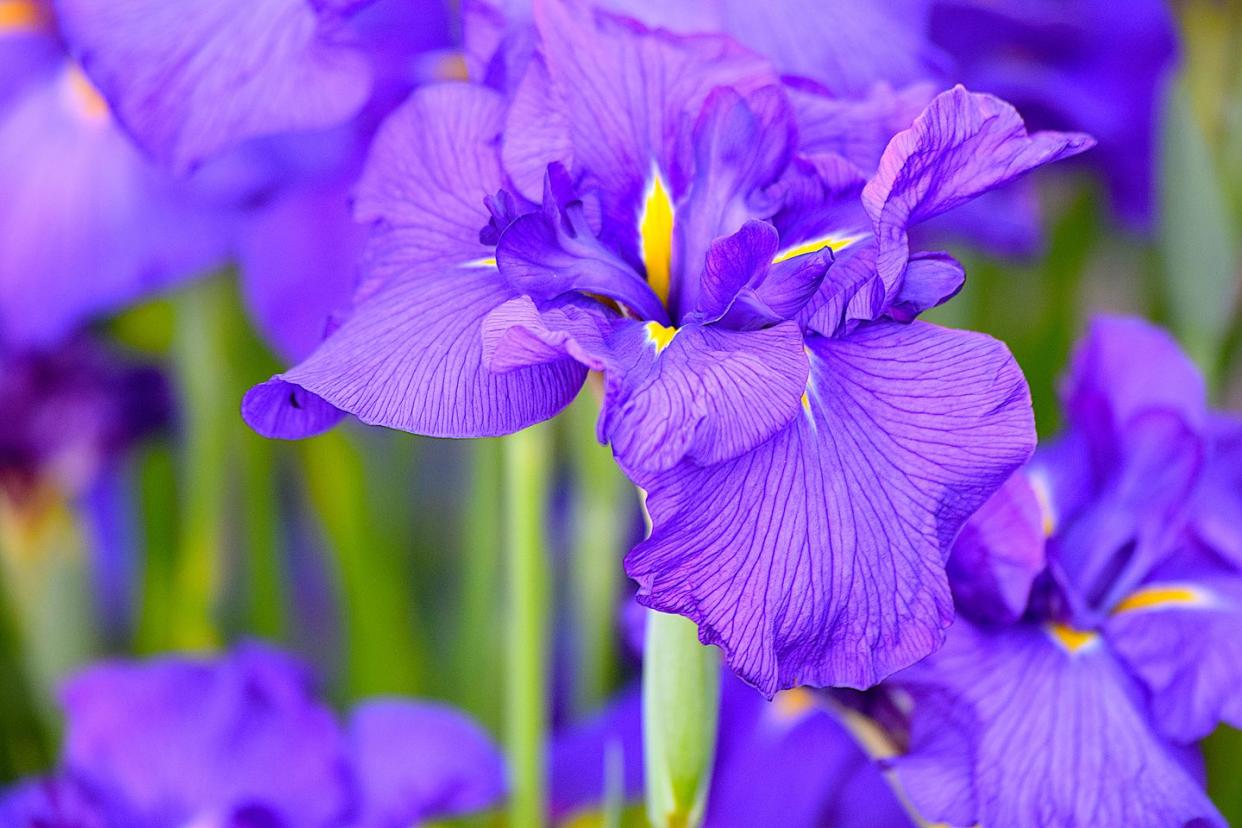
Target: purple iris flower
column 241, row 741
column 1091, row 65
column 1100, row 601
column 787, row 762
column 86, row 224
column 809, row 450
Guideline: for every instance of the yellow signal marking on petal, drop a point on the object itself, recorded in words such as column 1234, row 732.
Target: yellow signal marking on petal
column 791, row 705
column 832, row 241
column 486, row 261
column 1043, row 496
column 451, row 67
column 20, row 16
column 83, row 97
column 1071, row 640
column 1162, row 597
column 806, row 401
column 659, row 335
column 655, row 232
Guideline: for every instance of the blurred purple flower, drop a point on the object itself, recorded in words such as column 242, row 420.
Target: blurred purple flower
column 241, row 742
column 70, row 416
column 787, row 762
column 810, row 451
column 68, row 413
column 86, row 224
column 1098, row 627
column 204, row 133
column 1090, row 65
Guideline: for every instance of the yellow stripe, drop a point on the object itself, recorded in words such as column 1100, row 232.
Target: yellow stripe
column 655, row 232
column 832, row 241
column 1162, row 597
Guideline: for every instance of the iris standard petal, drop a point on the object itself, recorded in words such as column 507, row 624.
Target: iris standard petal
column 194, row 78
column 818, row 557
column 961, row 146
column 855, row 128
column 741, row 146
column 622, row 97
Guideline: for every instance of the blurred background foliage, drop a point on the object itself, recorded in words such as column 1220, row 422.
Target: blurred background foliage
column 377, row 555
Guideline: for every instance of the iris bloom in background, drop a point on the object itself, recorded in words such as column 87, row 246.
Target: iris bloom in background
column 1091, row 65
column 809, row 450
column 785, row 762
column 87, row 224
column 240, row 741
column 1100, row 594
column 71, row 416
column 190, row 158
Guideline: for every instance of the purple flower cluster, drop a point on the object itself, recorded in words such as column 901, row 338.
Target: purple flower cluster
column 728, row 211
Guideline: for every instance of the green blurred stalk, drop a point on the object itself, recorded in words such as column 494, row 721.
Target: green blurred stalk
column 24, row 743
column 157, row 475
column 1199, row 233
column 383, row 652
column 1197, row 238
column 203, row 313
column 681, row 706
column 602, row 502
column 1223, row 753
column 46, row 572
column 527, row 484
column 478, row 637
column 265, row 574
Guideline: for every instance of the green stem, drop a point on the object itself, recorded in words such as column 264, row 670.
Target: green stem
column 384, row 652
column 527, row 478
column 266, row 596
column 602, row 501
column 681, row 706
column 45, row 568
column 203, row 314
column 479, row 643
